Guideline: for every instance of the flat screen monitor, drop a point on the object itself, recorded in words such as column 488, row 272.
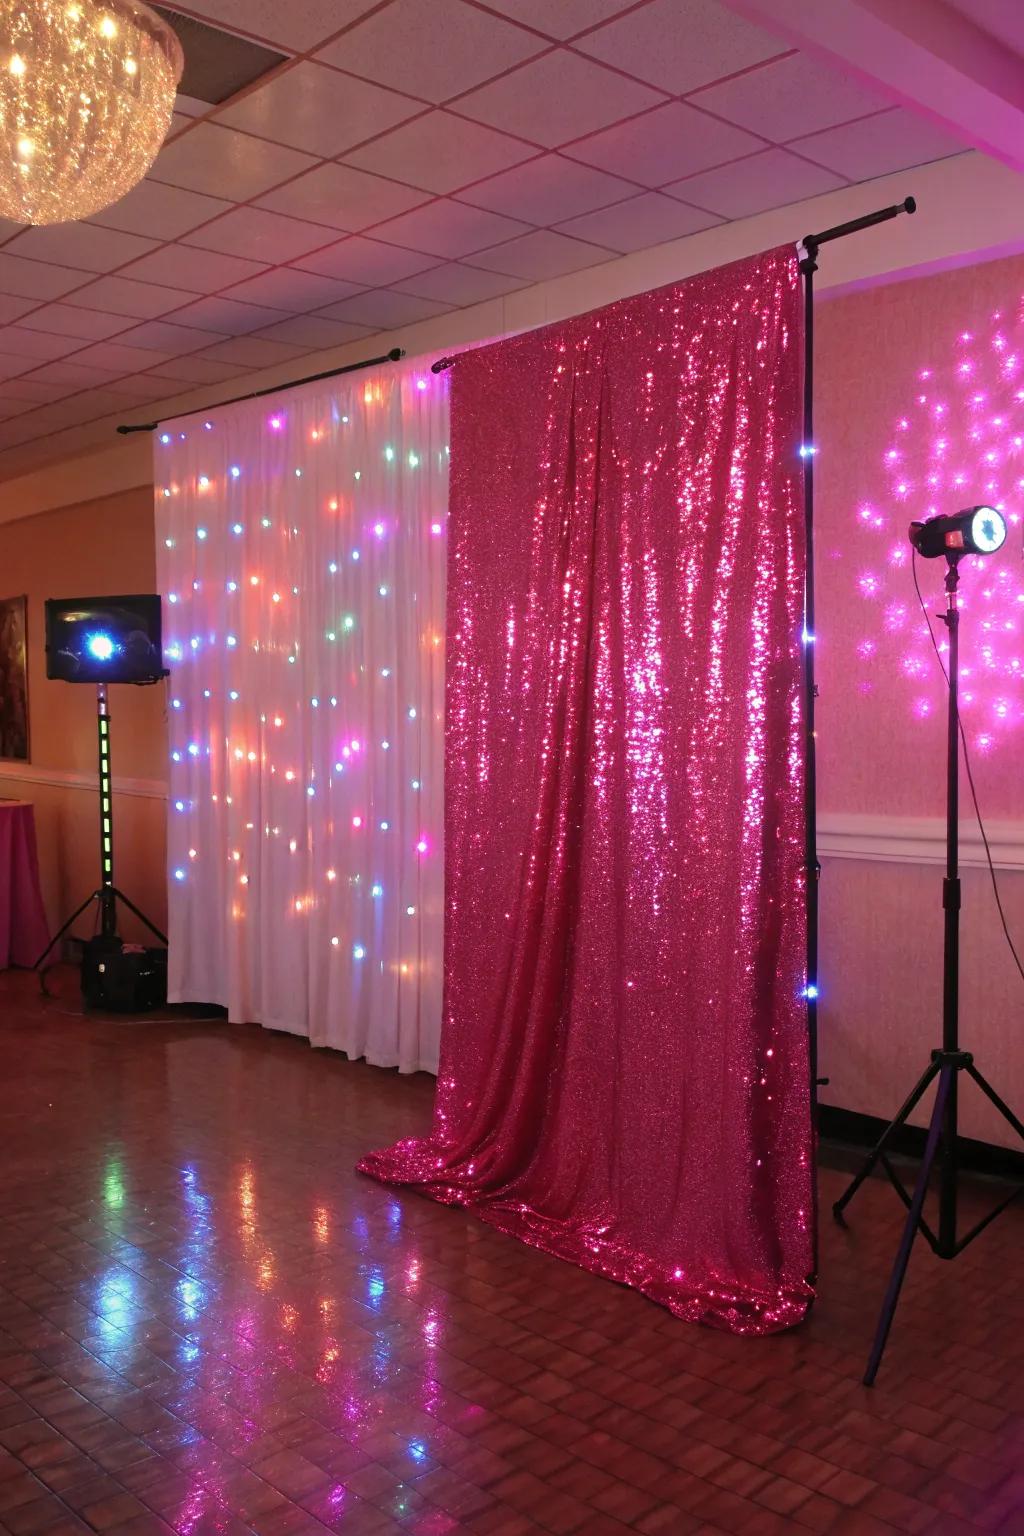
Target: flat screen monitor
column 104, row 639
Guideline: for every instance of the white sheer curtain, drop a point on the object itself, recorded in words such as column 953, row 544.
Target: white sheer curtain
column 301, row 549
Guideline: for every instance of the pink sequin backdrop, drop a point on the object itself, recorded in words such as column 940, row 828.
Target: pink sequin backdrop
column 624, row 1073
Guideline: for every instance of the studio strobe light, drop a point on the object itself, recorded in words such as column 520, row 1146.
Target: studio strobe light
column 974, row 531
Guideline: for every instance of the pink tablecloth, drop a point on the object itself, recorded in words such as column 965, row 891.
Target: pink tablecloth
column 23, row 930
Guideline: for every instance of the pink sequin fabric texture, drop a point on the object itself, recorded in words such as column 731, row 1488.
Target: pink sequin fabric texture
column 624, row 1068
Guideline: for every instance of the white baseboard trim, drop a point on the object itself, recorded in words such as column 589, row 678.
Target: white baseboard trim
column 918, row 840
column 59, row 778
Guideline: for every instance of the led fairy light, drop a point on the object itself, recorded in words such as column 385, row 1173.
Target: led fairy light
column 959, row 439
column 314, row 698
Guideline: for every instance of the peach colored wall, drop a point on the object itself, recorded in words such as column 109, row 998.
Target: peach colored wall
column 92, row 548
column 882, row 922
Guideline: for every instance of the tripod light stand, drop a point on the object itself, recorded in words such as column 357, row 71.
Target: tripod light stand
column 979, row 530
column 107, row 894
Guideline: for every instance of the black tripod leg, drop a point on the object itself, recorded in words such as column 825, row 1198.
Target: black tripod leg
column 62, row 931
column 140, row 915
column 993, row 1097
column 880, row 1145
column 899, row 1269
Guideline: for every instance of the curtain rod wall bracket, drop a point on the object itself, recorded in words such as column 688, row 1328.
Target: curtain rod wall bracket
column 394, row 356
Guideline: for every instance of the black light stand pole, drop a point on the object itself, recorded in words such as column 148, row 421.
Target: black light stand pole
column 107, row 894
column 808, row 266
column 107, row 898
column 812, row 866
column 946, row 1064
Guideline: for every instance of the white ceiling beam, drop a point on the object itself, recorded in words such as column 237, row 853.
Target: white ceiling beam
column 921, row 53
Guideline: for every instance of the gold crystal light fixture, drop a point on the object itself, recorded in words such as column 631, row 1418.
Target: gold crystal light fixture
column 86, row 94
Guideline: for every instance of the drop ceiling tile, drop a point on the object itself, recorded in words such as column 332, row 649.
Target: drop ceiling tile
column 32, row 389
column 681, row 44
column 11, row 366
column 161, row 211
column 345, row 198
column 228, row 316
column 665, row 144
column 431, row 48
column 559, row 18
column 875, row 146
column 441, row 152
column 67, row 321
column 169, row 337
column 250, row 353
column 557, row 98
column 649, row 219
column 139, row 386
column 113, row 402
column 264, row 236
column 311, row 107
column 37, row 279
column 790, row 96
column 383, row 307
column 13, row 309
column 121, row 296
column 79, row 245
column 767, row 180
column 296, row 27
column 189, row 106
column 316, row 331
column 11, row 408
column 194, row 370
column 14, row 433
column 222, row 163
column 117, row 357
column 185, row 267
column 74, row 375
column 547, row 190
column 289, row 289
column 369, row 263
column 446, row 228
column 16, row 341
column 457, row 284
column 68, row 412
column 540, row 255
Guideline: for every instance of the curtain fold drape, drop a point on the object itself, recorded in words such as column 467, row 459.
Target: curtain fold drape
column 624, row 1067
column 301, row 549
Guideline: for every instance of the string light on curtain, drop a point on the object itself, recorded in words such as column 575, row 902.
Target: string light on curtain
column 86, row 94
column 302, row 560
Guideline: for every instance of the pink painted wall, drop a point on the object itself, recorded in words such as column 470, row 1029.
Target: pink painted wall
column 920, row 406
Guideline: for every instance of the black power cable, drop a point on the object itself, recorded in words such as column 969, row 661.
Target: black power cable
column 970, row 775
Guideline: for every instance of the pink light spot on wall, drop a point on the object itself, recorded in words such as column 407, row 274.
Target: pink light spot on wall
column 957, row 447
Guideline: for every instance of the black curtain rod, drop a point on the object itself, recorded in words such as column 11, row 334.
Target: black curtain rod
column 394, row 356
column 810, row 243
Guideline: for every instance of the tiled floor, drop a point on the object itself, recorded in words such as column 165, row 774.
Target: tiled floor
column 209, row 1323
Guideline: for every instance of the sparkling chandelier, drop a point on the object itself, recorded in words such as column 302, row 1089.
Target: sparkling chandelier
column 86, row 94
